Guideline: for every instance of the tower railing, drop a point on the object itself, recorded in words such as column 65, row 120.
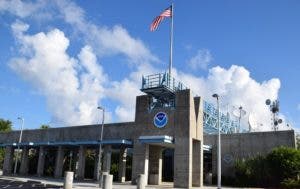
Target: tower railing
column 162, row 80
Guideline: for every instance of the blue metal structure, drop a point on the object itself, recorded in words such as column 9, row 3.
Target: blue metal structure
column 210, row 118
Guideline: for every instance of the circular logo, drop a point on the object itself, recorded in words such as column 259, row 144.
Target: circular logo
column 228, row 158
column 160, row 119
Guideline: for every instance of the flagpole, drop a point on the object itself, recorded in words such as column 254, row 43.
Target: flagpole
column 171, row 42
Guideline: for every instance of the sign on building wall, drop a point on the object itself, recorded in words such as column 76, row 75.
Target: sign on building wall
column 160, row 119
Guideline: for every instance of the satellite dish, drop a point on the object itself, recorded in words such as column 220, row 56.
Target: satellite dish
column 251, row 122
column 279, row 120
column 268, row 102
column 237, row 112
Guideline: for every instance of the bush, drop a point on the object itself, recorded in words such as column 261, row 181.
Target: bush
column 290, row 184
column 278, row 168
column 284, row 163
column 252, row 172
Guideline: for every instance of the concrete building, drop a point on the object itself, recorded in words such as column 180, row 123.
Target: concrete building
column 174, row 123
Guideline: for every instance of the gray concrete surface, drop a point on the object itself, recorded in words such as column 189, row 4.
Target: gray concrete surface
column 93, row 184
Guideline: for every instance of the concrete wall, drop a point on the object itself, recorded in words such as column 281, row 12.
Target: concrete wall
column 86, row 132
column 245, row 145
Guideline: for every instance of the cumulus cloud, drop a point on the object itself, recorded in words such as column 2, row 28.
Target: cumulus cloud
column 236, row 88
column 201, row 60
column 107, row 41
column 125, row 91
column 72, row 85
column 18, row 7
column 38, row 10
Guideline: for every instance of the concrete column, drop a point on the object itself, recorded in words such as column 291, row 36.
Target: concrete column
column 122, row 164
column 106, row 158
column 182, row 163
column 24, row 161
column 59, row 162
column 155, row 165
column 214, row 160
column 68, row 182
column 107, row 181
column 140, row 161
column 185, row 130
column 8, row 159
column 96, row 163
column 201, row 163
column 41, row 162
column 81, row 163
column 141, row 180
column 197, row 164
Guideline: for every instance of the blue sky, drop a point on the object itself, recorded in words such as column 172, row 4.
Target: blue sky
column 59, row 59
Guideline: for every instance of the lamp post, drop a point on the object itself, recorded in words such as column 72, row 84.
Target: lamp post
column 100, row 148
column 20, row 140
column 219, row 141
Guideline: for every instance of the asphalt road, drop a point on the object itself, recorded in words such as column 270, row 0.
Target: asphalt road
column 14, row 184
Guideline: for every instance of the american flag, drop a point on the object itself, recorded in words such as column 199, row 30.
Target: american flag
column 166, row 13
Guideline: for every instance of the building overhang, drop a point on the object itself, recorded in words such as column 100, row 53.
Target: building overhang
column 162, row 140
column 115, row 142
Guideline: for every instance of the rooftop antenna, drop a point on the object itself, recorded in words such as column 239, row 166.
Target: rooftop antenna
column 239, row 112
column 274, row 108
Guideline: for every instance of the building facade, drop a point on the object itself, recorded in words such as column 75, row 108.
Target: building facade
column 178, row 128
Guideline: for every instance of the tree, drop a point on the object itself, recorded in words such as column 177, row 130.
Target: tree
column 5, row 125
column 284, row 163
column 298, row 140
column 44, row 126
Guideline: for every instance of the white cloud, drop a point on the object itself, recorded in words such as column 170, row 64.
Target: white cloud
column 18, row 7
column 125, row 92
column 37, row 10
column 107, row 41
column 236, row 88
column 72, row 86
column 201, row 60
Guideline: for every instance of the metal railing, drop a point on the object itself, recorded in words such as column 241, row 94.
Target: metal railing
column 210, row 118
column 162, row 80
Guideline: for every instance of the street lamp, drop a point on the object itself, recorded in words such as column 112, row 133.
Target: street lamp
column 219, row 141
column 20, row 140
column 100, row 148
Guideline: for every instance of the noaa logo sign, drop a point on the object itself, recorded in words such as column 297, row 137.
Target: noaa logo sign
column 160, row 119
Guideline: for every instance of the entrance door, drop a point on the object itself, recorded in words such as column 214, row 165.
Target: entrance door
column 168, row 165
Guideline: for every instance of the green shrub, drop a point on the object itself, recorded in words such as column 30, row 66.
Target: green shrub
column 283, row 163
column 252, row 172
column 279, row 167
column 290, row 184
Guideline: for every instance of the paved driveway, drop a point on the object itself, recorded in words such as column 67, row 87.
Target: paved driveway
column 48, row 183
